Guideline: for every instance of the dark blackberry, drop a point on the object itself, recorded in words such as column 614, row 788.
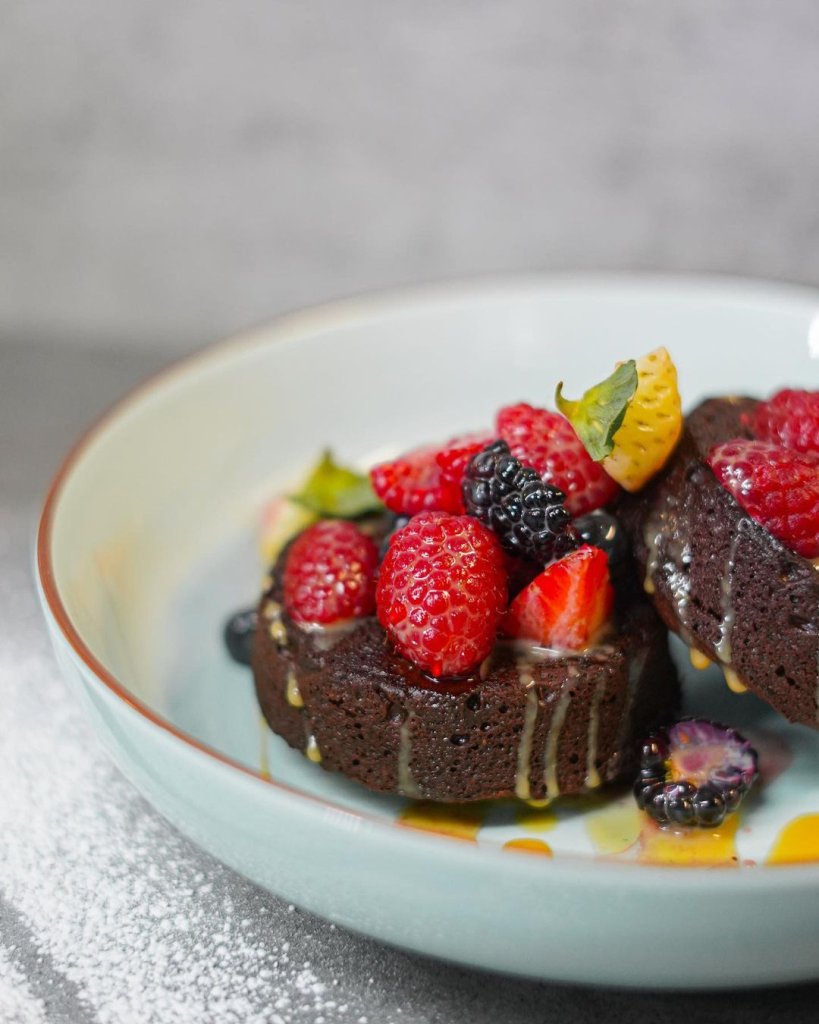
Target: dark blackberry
column 527, row 515
column 694, row 773
column 240, row 631
column 603, row 530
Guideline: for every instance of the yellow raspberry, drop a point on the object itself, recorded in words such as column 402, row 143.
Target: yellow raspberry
column 652, row 424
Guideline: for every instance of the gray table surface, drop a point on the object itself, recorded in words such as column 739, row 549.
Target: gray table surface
column 107, row 914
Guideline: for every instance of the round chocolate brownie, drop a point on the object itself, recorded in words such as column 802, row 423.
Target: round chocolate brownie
column 729, row 588
column 531, row 723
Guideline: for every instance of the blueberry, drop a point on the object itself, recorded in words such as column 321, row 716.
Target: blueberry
column 239, row 633
column 603, row 530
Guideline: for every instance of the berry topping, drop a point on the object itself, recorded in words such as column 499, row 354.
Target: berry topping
column 454, row 457
column 633, row 431
column 240, row 631
column 442, row 591
column 566, row 605
column 282, row 520
column 415, row 483
column 694, row 773
column 777, row 487
column 546, row 441
column 329, row 574
column 790, row 418
column 527, row 515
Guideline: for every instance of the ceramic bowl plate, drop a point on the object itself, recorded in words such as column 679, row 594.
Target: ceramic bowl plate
column 148, row 540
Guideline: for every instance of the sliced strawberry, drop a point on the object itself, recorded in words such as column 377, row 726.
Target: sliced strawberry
column 777, row 487
column 546, row 441
column 565, row 606
column 790, row 418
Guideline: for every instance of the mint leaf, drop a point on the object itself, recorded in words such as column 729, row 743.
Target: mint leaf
column 598, row 415
column 335, row 492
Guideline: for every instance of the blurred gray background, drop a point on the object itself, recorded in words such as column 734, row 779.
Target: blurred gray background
column 173, row 171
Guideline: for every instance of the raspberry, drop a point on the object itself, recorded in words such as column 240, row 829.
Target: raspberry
column 329, row 574
column 565, row 606
column 527, row 514
column 694, row 773
column 790, row 418
column 777, row 487
column 454, row 457
column 441, row 592
column 415, row 483
column 546, row 441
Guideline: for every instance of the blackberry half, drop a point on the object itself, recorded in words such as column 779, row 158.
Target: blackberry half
column 528, row 515
column 694, row 773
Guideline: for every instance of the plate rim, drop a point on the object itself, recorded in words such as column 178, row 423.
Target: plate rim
column 303, row 322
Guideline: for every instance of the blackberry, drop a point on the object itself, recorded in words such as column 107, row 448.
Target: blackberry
column 239, row 633
column 528, row 515
column 694, row 773
column 603, row 530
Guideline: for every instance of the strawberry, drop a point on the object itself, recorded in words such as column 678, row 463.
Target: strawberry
column 777, row 487
column 566, row 605
column 329, row 574
column 426, row 479
column 790, row 418
column 546, row 441
column 441, row 592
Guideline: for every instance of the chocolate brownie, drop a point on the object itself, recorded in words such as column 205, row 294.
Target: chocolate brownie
column 529, row 724
column 724, row 583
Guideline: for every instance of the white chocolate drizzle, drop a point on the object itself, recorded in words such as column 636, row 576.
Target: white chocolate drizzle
column 735, row 684
column 326, row 637
column 723, row 645
column 272, row 611
column 312, row 750
column 553, row 741
column 593, row 779
column 523, row 788
column 406, row 783
column 292, row 691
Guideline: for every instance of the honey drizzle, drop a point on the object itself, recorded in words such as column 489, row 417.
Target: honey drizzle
column 593, row 779
column 406, row 783
column 523, row 788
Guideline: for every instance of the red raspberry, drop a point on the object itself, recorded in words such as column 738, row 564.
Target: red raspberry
column 330, row 574
column 546, row 441
column 566, row 605
column 441, row 592
column 427, row 479
column 790, row 418
column 454, row 457
column 777, row 487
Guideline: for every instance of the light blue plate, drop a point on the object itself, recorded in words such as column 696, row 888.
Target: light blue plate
column 149, row 538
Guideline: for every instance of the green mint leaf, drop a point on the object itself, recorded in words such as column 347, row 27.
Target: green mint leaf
column 335, row 492
column 598, row 415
